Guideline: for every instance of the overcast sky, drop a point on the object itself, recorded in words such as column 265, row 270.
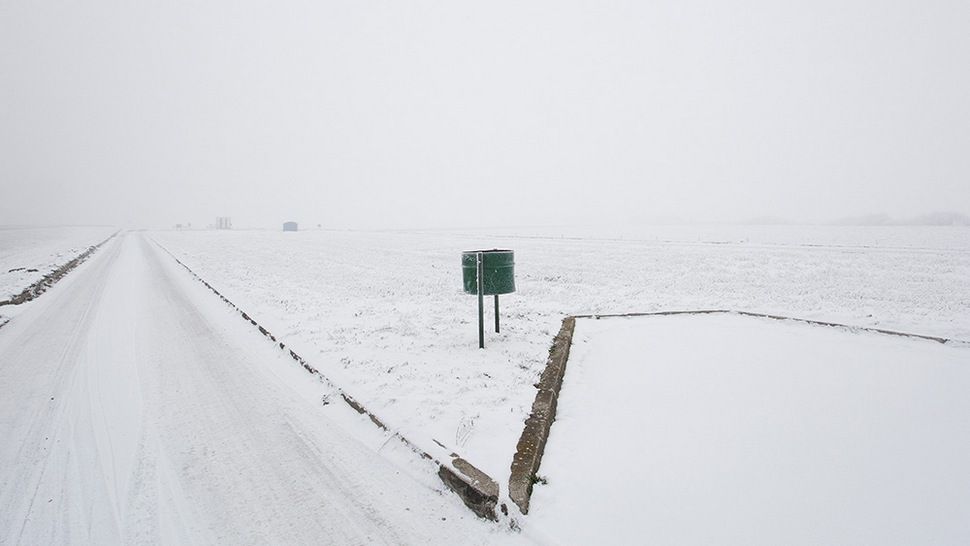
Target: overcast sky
column 437, row 114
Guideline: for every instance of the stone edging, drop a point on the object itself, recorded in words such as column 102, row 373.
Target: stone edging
column 532, row 442
column 476, row 489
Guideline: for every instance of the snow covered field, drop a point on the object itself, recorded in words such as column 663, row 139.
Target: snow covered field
column 382, row 313
column 724, row 429
column 29, row 253
column 885, row 237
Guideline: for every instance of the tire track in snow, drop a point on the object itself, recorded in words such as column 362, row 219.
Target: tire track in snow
column 36, row 404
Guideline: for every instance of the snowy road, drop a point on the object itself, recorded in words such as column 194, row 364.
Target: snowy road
column 135, row 408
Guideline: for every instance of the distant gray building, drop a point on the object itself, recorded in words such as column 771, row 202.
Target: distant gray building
column 223, row 222
column 289, row 226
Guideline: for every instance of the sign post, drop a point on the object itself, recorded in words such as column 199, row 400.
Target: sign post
column 481, row 297
column 487, row 273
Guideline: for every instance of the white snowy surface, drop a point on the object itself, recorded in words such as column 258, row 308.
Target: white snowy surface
column 135, row 407
column 383, row 314
column 884, row 237
column 723, row 429
column 42, row 249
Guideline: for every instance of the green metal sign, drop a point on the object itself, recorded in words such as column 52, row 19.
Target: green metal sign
column 487, row 272
column 498, row 271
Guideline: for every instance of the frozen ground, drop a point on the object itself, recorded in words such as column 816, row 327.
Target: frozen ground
column 29, row 253
column 724, row 429
column 135, row 408
column 383, row 315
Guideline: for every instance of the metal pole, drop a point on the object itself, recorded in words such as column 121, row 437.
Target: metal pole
column 481, row 303
column 496, row 313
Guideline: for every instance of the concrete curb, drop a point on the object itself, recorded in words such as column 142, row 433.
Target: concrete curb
column 532, row 442
column 476, row 489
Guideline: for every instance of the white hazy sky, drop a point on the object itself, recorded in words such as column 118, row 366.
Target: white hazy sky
column 435, row 114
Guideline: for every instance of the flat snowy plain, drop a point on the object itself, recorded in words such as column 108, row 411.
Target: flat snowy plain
column 726, row 429
column 382, row 314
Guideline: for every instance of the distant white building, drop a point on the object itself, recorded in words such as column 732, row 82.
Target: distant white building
column 223, row 222
column 289, row 226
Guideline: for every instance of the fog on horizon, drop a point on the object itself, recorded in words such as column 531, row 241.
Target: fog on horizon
column 436, row 114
